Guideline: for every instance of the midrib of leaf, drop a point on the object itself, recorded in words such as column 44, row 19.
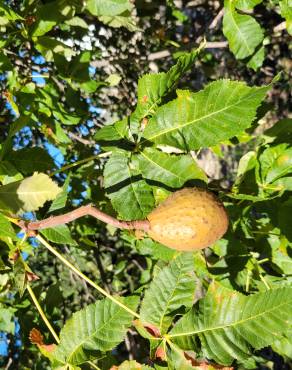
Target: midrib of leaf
column 198, row 119
column 156, row 102
column 164, row 169
column 90, row 336
column 227, row 325
column 168, row 302
column 148, row 111
column 236, row 26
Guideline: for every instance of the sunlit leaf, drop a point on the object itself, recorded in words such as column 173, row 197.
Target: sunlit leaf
column 6, row 230
column 152, row 87
column 61, row 199
column 243, row 32
column 109, row 8
column 169, row 169
column 172, row 288
column 29, row 194
column 247, row 4
column 193, row 120
column 98, row 327
column 275, row 162
column 256, row 61
column 132, row 365
column 229, row 323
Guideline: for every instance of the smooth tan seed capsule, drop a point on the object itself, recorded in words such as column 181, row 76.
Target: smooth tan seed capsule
column 189, row 219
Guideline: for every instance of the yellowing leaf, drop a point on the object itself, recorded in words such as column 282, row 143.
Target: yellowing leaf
column 29, row 194
column 34, row 191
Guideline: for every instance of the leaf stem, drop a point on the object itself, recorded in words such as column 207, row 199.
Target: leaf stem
column 248, row 276
column 264, row 281
column 81, row 161
column 42, row 314
column 79, row 273
column 93, row 365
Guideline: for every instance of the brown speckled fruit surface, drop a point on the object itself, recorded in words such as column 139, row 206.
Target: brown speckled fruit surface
column 189, row 219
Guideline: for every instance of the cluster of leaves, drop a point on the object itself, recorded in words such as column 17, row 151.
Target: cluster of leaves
column 194, row 310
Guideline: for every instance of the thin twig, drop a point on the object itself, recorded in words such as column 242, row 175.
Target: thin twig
column 42, row 314
column 216, row 45
column 79, row 273
column 59, row 84
column 93, row 365
column 88, row 210
column 159, row 55
column 280, row 27
column 264, row 281
column 80, row 139
column 128, row 346
column 217, row 19
column 77, row 163
column 9, row 363
column 209, row 45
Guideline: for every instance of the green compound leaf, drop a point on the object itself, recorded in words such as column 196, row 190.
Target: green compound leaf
column 29, row 194
column 243, row 32
column 229, row 323
column 152, row 87
column 131, row 196
column 98, row 327
column 193, row 120
column 172, row 288
column 169, row 169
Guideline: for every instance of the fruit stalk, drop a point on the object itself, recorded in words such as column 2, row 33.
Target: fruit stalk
column 88, row 210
